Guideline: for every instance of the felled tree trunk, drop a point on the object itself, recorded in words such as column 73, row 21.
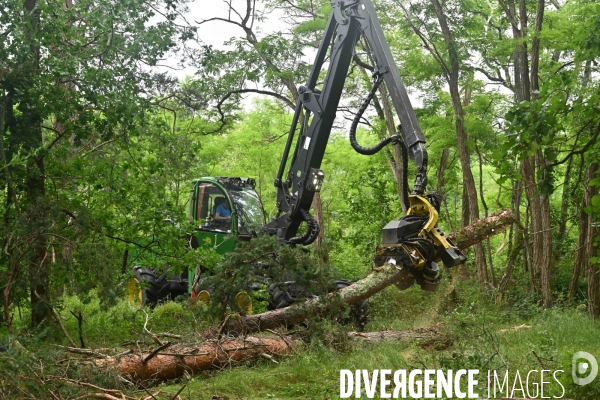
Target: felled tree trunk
column 431, row 337
column 168, row 362
column 373, row 283
column 173, row 361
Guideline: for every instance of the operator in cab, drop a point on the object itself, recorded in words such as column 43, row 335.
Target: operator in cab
column 223, row 212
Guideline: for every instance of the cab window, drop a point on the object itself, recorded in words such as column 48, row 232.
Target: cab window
column 209, row 199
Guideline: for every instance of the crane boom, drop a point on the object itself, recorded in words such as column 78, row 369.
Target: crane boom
column 314, row 115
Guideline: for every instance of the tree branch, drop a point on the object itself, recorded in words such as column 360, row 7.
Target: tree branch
column 580, row 151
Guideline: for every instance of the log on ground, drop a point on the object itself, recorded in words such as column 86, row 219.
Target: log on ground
column 432, row 337
column 173, row 361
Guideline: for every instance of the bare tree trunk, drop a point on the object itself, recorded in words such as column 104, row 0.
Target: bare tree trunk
column 170, row 361
column 594, row 291
column 539, row 203
column 486, row 214
column 35, row 178
column 441, row 181
column 540, row 226
column 564, row 209
column 582, row 257
column 510, row 266
column 384, row 113
column 398, row 162
column 174, row 361
column 543, row 242
column 425, row 337
column 591, row 250
column 469, row 190
column 441, row 178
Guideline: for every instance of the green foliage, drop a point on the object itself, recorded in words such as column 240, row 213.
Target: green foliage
column 254, row 265
column 360, row 192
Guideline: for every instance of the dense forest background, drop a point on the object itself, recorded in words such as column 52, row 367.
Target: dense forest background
column 100, row 141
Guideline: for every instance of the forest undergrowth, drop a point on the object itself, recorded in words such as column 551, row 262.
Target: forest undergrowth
column 486, row 334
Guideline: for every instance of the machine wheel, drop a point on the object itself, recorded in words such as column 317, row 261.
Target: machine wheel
column 359, row 313
column 279, row 298
column 145, row 286
column 172, row 288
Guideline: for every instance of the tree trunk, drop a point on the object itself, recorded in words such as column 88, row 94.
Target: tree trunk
column 470, row 203
column 540, row 226
column 398, row 161
column 539, row 203
column 441, row 181
column 441, row 178
column 544, row 242
column 591, row 250
column 582, row 256
column 173, row 361
column 564, row 209
column 384, row 113
column 434, row 336
column 31, row 129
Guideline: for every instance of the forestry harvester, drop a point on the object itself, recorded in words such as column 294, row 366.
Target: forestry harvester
column 412, row 240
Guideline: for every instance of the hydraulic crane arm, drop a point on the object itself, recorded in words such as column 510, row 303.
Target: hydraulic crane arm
column 349, row 20
column 315, row 113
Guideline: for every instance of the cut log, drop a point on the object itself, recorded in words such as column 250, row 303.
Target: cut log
column 192, row 358
column 431, row 337
column 373, row 283
column 176, row 360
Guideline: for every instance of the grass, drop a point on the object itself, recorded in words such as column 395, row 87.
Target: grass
column 487, row 336
column 314, row 373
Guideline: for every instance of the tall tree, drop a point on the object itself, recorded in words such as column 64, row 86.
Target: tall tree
column 451, row 64
column 71, row 76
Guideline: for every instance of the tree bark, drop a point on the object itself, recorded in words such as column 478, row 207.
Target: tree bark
column 394, row 156
column 584, row 251
column 539, row 203
column 31, row 129
column 169, row 362
column 564, row 209
column 434, row 336
column 581, row 257
column 397, row 153
column 173, row 362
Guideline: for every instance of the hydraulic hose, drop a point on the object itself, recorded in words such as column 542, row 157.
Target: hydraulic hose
column 312, row 230
column 368, row 151
column 404, row 170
